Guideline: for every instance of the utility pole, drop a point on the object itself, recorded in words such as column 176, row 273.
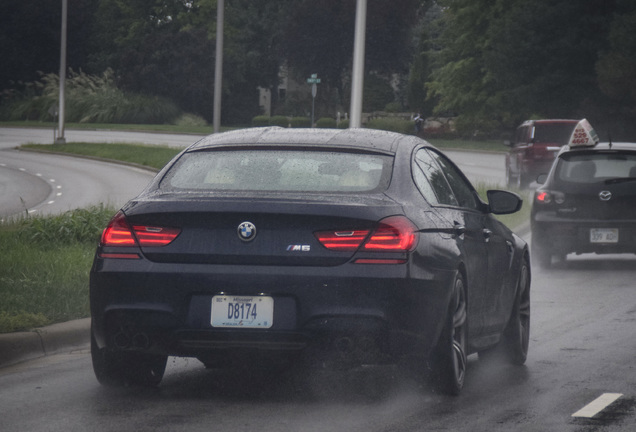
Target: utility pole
column 218, row 67
column 357, row 75
column 60, row 137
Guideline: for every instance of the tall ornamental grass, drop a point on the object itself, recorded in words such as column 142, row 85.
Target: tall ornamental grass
column 89, row 99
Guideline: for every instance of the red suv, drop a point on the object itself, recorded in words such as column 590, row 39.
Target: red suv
column 533, row 150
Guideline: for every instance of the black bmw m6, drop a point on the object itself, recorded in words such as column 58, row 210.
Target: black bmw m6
column 327, row 248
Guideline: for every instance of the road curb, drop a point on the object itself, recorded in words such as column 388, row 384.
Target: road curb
column 40, row 342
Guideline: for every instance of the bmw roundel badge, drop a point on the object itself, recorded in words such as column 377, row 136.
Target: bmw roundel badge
column 246, row 231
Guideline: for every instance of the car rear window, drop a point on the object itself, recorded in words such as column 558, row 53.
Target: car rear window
column 279, row 170
column 594, row 167
column 553, row 133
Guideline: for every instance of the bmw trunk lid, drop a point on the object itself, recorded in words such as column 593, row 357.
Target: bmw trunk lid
column 257, row 231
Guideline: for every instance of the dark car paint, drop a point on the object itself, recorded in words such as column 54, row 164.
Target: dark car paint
column 327, row 294
column 563, row 229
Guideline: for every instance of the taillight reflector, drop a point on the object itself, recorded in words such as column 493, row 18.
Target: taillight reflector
column 119, row 233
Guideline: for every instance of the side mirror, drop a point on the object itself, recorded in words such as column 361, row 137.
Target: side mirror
column 503, row 202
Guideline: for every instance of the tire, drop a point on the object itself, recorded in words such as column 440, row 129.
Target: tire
column 516, row 336
column 127, row 368
column 448, row 360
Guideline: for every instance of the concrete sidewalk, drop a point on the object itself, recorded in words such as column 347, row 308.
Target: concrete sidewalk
column 54, row 339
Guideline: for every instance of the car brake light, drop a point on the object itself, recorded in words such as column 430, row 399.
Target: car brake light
column 342, row 240
column 543, row 197
column 393, row 234
column 155, row 236
column 119, row 233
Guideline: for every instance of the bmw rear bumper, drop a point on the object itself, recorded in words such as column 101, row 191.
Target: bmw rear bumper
column 355, row 313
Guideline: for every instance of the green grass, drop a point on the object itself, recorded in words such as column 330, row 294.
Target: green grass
column 44, row 267
column 168, row 128
column 146, row 155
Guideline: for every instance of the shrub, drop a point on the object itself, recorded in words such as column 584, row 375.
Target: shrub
column 392, row 124
column 393, row 107
column 326, row 122
column 89, row 99
column 344, row 124
column 190, row 120
column 260, row 121
column 300, row 122
column 279, row 120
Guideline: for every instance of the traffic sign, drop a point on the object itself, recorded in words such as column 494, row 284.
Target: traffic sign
column 313, row 79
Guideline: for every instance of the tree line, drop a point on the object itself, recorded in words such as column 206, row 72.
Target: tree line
column 489, row 63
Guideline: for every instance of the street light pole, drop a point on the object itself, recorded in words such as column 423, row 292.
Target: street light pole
column 357, row 75
column 218, row 68
column 60, row 137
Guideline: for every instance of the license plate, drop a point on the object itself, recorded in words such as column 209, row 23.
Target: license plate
column 604, row 235
column 242, row 311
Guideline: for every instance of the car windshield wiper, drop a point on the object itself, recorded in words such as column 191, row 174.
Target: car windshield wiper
column 620, row 180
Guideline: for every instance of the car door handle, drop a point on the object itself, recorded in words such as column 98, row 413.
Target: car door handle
column 487, row 234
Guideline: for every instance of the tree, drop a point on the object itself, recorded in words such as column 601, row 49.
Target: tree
column 505, row 60
column 30, row 38
column 319, row 39
column 616, row 69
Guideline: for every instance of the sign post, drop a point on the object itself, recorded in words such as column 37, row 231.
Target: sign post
column 313, row 80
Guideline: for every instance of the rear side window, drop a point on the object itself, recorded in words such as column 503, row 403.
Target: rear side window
column 279, row 170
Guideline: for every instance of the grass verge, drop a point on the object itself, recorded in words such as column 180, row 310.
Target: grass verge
column 45, row 265
column 146, row 155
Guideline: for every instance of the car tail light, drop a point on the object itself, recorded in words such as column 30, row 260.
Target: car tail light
column 120, row 233
column 543, row 197
column 342, row 240
column 549, row 197
column 393, row 234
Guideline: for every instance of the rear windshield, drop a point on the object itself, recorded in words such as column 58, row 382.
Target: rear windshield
column 594, row 167
column 553, row 133
column 279, row 170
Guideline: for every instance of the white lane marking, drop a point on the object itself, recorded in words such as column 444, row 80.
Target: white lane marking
column 597, row 405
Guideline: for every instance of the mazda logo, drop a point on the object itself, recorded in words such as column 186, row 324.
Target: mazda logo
column 605, row 195
column 246, row 231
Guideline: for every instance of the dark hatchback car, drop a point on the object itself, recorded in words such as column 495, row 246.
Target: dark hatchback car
column 329, row 248
column 587, row 203
column 534, row 147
